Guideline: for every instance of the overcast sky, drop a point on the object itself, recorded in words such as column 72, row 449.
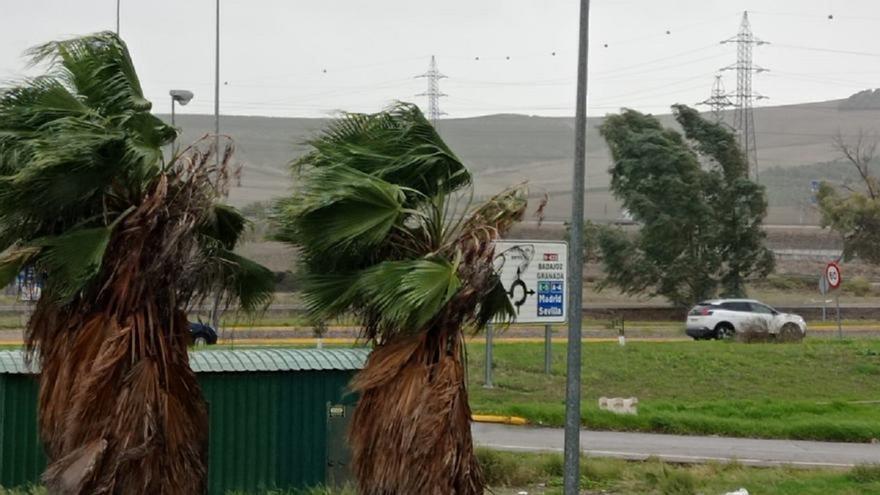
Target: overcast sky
column 311, row 57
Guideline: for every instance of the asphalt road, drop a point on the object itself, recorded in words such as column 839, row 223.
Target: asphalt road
column 677, row 448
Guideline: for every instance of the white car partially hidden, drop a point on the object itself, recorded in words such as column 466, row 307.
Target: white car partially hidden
column 723, row 318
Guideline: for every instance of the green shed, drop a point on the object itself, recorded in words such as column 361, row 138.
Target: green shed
column 278, row 417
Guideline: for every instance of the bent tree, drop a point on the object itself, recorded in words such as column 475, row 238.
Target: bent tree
column 125, row 241
column 700, row 216
column 386, row 236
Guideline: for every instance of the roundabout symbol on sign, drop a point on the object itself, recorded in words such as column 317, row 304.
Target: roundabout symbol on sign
column 832, row 275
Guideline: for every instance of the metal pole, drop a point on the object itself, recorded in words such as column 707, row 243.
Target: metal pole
column 217, row 90
column 571, row 467
column 839, row 327
column 117, row 16
column 548, row 330
column 488, row 377
column 174, row 143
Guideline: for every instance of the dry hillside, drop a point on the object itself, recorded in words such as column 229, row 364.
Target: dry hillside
column 793, row 145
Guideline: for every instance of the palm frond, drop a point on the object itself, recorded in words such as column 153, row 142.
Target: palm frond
column 99, row 67
column 248, row 282
column 495, row 306
column 341, row 206
column 399, row 146
column 72, row 260
column 489, row 220
column 38, row 101
column 13, row 260
column 329, row 295
column 225, row 224
column 70, row 138
column 405, row 295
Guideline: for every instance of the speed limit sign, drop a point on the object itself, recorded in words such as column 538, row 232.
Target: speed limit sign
column 832, row 275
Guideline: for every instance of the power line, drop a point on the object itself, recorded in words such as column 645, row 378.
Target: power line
column 828, row 50
column 670, row 30
column 433, row 93
column 656, row 60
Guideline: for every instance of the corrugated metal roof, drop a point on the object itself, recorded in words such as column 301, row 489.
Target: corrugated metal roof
column 238, row 360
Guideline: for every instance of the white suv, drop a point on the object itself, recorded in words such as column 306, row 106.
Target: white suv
column 722, row 318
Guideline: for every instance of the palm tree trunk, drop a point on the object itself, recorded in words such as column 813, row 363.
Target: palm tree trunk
column 411, row 429
column 120, row 409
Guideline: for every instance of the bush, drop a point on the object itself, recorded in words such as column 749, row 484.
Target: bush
column 319, row 328
column 857, row 286
column 508, row 469
column 32, row 490
column 669, row 481
column 865, row 473
column 789, row 282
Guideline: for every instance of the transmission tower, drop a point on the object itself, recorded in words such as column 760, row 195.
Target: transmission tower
column 743, row 117
column 433, row 93
column 718, row 100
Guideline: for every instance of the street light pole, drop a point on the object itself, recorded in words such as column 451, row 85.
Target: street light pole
column 571, row 476
column 117, row 16
column 217, row 89
column 183, row 97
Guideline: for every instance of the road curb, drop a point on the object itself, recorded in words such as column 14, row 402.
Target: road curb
column 504, row 420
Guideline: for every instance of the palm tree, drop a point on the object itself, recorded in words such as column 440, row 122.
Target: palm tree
column 124, row 241
column 386, row 234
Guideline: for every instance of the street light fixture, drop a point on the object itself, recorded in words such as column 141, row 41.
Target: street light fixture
column 181, row 96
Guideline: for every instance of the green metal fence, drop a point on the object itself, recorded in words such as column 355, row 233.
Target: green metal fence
column 268, row 412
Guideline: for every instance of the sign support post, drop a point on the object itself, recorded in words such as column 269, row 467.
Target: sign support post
column 487, row 382
column 548, row 329
column 833, row 278
column 839, row 326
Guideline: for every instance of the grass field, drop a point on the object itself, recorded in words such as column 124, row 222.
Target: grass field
column 542, row 474
column 820, row 389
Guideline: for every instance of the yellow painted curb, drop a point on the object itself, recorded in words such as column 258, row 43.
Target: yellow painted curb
column 505, row 420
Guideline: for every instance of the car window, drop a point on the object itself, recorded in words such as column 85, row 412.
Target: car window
column 701, row 307
column 737, row 306
column 760, row 308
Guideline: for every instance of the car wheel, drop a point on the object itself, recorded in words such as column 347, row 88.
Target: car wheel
column 790, row 333
column 200, row 341
column 724, row 331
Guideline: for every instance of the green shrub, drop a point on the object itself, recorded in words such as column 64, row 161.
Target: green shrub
column 28, row 490
column 507, row 468
column 554, row 465
column 857, row 286
column 788, row 282
column 865, row 473
column 315, row 490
